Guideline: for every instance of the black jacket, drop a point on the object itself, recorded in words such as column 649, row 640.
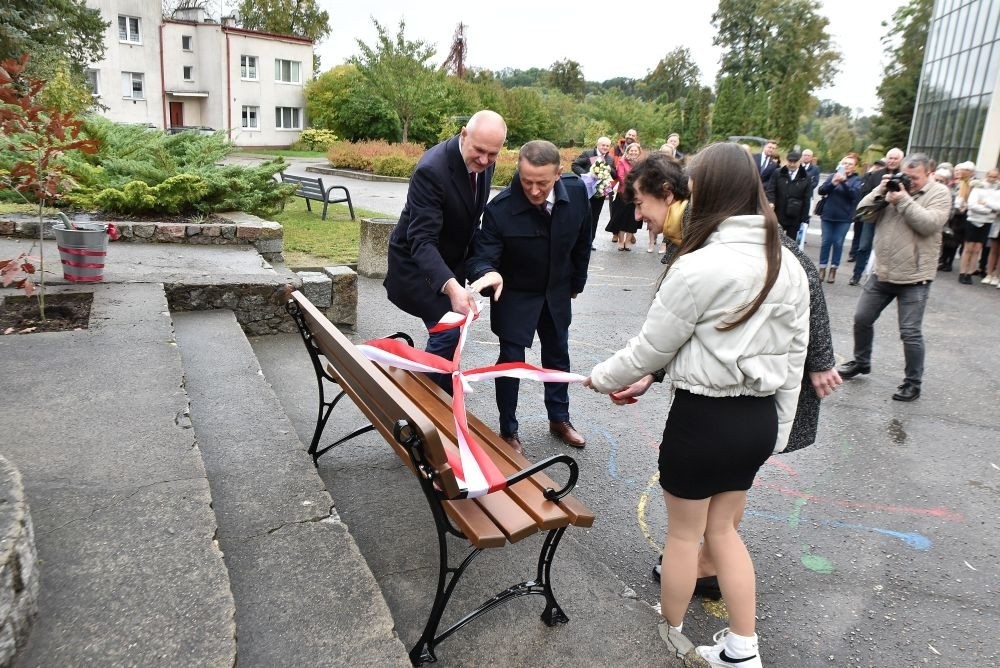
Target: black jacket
column 431, row 241
column 789, row 196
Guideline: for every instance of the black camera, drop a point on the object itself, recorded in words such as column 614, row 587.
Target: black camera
column 897, row 182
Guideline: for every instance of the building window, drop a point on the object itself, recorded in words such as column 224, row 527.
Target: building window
column 248, row 67
column 287, row 71
column 250, row 115
column 94, row 82
column 188, row 73
column 128, row 29
column 133, row 85
column 287, row 118
column 186, row 42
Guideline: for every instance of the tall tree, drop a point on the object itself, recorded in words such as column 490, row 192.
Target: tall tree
column 566, row 75
column 777, row 52
column 302, row 18
column 897, row 93
column 50, row 32
column 673, row 76
column 397, row 70
column 455, row 62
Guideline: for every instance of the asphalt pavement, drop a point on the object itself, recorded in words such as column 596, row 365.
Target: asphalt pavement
column 879, row 545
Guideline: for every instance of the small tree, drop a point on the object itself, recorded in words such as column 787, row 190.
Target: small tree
column 36, row 136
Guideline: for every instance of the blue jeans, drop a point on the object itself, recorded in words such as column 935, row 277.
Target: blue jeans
column 442, row 344
column 910, row 303
column 864, row 248
column 834, row 233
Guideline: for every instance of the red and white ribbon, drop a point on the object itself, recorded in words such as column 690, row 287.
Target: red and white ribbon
column 473, row 468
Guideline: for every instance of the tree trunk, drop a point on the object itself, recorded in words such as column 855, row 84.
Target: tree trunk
column 406, row 129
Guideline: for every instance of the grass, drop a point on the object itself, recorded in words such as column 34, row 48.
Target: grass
column 311, row 241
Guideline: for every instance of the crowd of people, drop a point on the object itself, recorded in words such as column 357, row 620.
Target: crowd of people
column 738, row 324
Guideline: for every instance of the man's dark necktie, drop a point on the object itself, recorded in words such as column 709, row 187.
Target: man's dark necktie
column 472, row 183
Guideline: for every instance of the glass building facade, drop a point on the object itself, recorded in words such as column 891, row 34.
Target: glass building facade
column 957, row 114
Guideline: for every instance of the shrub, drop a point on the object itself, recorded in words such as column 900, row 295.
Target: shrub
column 362, row 155
column 395, row 165
column 317, row 139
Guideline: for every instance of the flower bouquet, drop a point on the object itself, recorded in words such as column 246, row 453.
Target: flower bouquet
column 599, row 179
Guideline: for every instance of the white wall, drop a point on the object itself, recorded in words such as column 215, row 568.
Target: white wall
column 142, row 57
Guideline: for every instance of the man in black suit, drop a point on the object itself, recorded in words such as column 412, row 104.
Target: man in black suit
column 582, row 166
column 428, row 248
column 533, row 251
column 767, row 162
column 788, row 192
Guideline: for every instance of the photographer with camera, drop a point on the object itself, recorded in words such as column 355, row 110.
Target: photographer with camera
column 907, row 242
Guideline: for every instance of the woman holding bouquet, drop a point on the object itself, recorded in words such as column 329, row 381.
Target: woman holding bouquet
column 623, row 223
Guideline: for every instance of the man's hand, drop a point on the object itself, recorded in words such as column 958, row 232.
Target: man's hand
column 839, row 178
column 462, row 301
column 490, row 279
column 824, row 382
column 896, row 196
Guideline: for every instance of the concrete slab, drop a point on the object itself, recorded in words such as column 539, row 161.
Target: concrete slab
column 304, row 594
column 130, row 573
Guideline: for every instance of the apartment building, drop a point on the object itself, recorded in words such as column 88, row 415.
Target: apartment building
column 191, row 71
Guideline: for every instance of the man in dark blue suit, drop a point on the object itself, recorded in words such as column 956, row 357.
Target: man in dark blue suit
column 428, row 248
column 533, row 250
column 767, row 161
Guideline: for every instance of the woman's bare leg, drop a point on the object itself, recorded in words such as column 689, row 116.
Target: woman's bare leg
column 686, row 523
column 737, row 579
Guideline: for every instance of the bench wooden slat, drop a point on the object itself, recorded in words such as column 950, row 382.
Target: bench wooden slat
column 473, row 521
column 508, row 515
column 374, row 394
column 549, row 514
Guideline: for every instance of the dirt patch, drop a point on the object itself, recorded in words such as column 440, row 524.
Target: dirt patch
column 63, row 312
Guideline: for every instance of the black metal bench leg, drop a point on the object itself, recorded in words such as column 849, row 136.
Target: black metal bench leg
column 553, row 614
column 448, row 577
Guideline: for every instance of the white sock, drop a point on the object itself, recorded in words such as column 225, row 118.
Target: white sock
column 741, row 647
column 679, row 628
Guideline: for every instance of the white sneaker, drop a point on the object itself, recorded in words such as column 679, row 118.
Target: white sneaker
column 988, row 280
column 717, row 657
column 994, row 280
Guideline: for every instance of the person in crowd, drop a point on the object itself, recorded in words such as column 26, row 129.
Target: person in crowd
column 623, row 224
column 631, row 137
column 842, row 191
column 907, row 241
column 667, row 150
column 856, row 237
column 993, row 259
column 788, row 191
column 767, row 161
column 582, row 165
column 961, row 186
column 532, row 251
column 735, row 359
column 812, row 169
column 864, row 232
column 674, row 142
column 978, row 220
column 428, row 247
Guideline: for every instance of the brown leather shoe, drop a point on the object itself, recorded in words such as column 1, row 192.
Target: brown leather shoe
column 514, row 442
column 567, row 434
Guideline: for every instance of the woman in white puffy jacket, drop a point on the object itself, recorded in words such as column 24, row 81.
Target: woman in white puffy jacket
column 729, row 324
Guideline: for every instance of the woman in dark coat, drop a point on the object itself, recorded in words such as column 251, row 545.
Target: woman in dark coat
column 623, row 223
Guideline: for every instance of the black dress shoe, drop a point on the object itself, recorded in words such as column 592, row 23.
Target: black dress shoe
column 854, row 281
column 907, row 393
column 852, row 369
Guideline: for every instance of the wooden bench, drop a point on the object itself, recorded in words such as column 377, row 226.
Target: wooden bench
column 312, row 189
column 414, row 416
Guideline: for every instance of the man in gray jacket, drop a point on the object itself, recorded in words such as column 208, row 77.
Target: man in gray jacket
column 907, row 243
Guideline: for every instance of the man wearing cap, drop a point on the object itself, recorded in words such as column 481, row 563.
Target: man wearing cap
column 788, row 191
column 864, row 232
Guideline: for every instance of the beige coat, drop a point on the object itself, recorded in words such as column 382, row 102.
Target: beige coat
column 908, row 234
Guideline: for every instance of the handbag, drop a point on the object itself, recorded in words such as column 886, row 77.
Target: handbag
column 819, row 206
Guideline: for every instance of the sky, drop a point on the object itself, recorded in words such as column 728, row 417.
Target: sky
column 522, row 35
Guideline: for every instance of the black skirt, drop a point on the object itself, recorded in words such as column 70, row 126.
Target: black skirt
column 715, row 444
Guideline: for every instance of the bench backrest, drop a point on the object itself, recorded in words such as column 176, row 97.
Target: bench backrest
column 375, row 394
column 308, row 186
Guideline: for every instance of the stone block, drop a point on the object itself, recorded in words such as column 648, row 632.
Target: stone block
column 247, row 232
column 343, row 309
column 192, row 230
column 144, row 230
column 270, row 230
column 7, row 227
column 228, row 231
column 373, row 246
column 269, row 245
column 317, row 287
column 170, row 233
column 211, row 230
